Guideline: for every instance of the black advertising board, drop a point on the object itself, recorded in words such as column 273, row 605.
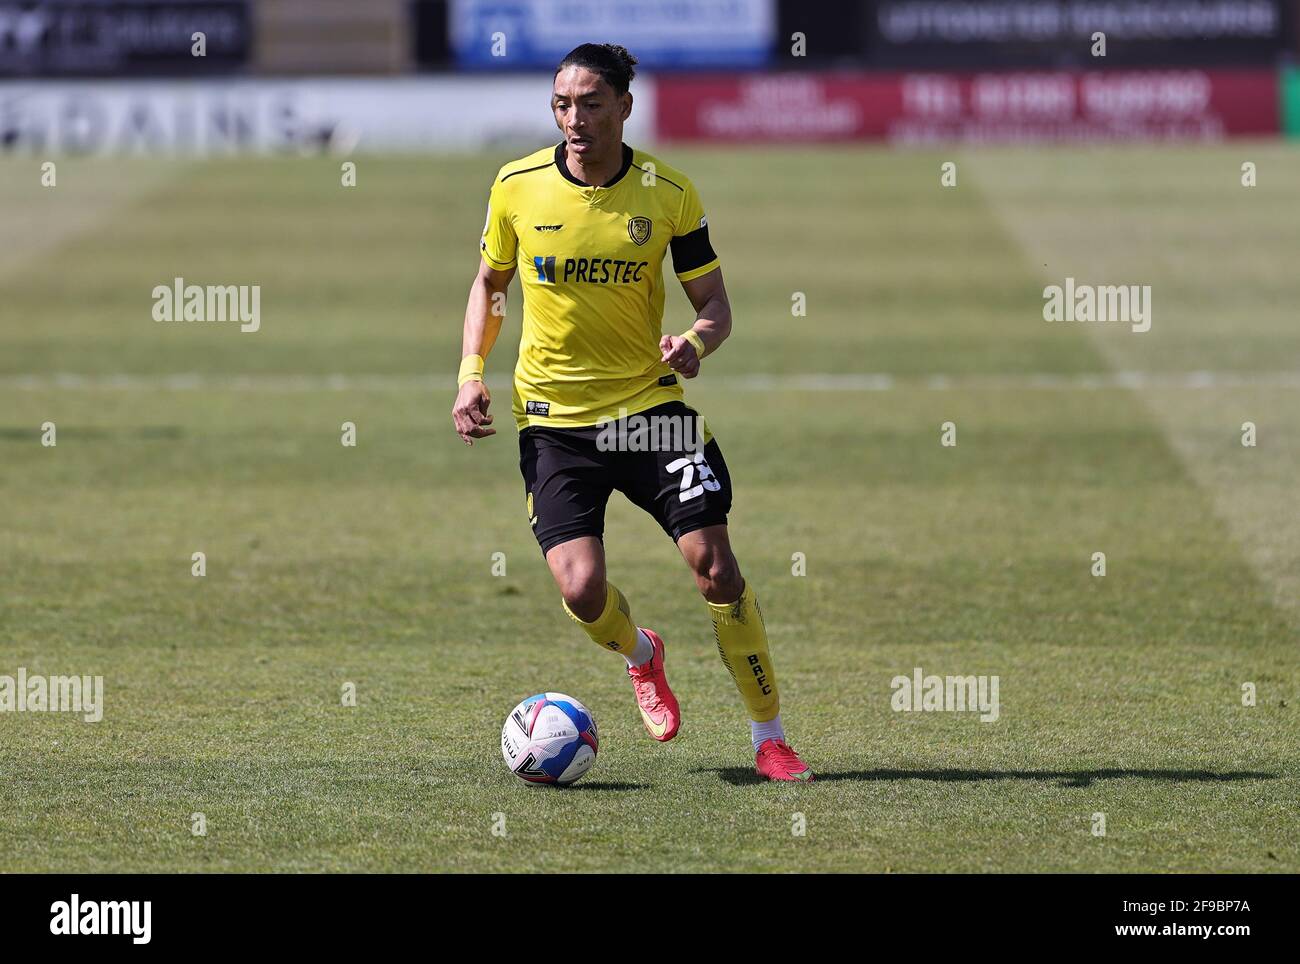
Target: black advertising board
column 70, row 38
column 1063, row 33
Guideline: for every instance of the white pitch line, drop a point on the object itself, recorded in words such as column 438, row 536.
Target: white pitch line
column 811, row 382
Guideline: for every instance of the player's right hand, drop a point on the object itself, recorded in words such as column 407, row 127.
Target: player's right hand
column 470, row 413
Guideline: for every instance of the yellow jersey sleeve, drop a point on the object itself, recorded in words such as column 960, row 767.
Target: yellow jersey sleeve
column 693, row 255
column 499, row 244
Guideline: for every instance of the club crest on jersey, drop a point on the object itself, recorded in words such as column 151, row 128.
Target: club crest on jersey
column 638, row 229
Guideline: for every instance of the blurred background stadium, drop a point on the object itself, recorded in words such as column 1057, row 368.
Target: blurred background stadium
column 874, row 301
column 756, row 71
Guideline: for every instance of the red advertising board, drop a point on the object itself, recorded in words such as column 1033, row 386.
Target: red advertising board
column 923, row 108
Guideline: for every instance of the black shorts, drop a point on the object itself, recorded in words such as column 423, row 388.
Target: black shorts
column 569, row 474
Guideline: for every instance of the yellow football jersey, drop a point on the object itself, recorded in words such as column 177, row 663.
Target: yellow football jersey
column 590, row 263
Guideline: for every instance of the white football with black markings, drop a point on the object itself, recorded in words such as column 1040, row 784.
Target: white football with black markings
column 549, row 738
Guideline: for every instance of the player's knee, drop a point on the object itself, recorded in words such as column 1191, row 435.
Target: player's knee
column 584, row 592
column 719, row 578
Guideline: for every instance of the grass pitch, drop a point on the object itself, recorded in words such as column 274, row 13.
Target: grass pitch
column 326, row 565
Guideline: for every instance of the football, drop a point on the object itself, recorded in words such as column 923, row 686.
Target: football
column 549, row 738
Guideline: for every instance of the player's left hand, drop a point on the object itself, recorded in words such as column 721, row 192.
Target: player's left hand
column 679, row 355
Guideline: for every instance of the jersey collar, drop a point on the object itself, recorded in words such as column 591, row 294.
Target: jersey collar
column 568, row 176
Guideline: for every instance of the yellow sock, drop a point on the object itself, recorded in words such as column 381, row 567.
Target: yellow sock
column 742, row 644
column 613, row 628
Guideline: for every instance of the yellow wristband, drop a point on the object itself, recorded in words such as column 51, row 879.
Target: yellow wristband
column 696, row 342
column 471, row 369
